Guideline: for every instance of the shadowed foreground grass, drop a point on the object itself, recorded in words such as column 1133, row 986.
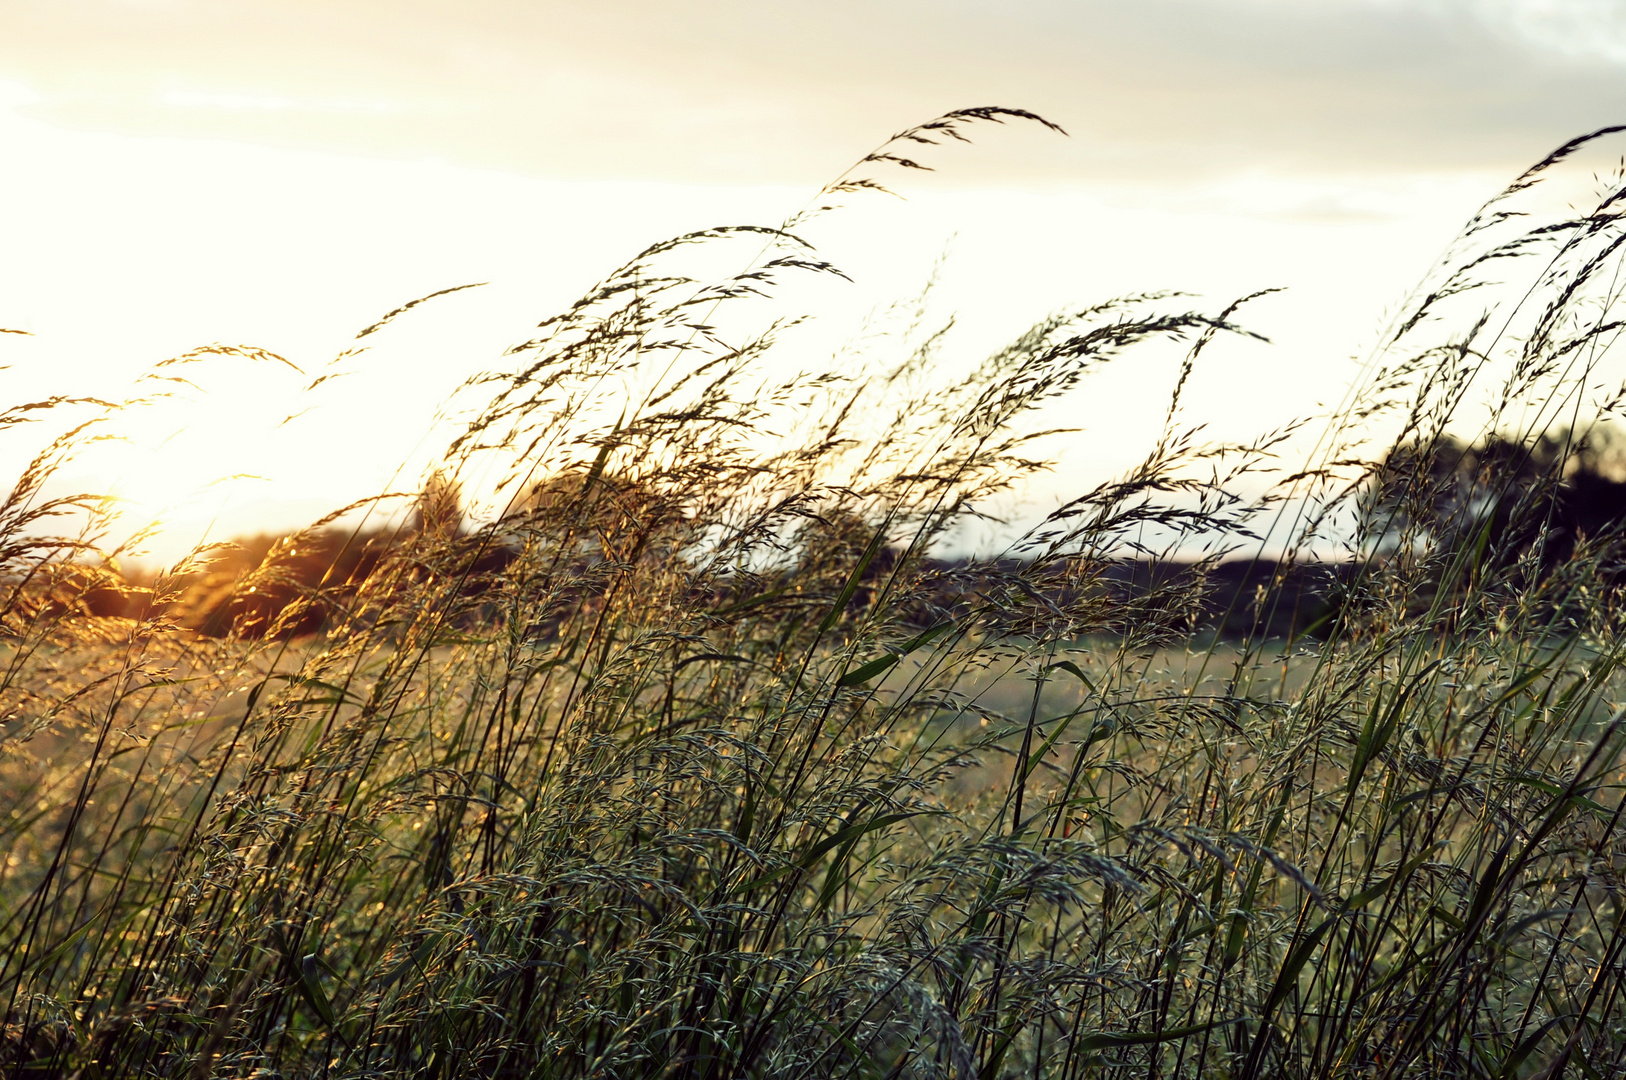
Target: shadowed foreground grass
column 714, row 773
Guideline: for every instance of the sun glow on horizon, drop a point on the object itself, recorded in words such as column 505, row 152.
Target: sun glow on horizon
column 138, row 250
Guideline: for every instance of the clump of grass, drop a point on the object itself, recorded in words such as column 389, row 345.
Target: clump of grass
column 693, row 761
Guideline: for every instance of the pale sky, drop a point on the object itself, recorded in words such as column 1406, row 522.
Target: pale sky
column 280, row 174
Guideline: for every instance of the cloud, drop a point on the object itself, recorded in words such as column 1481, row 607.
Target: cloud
column 738, row 91
column 1574, row 28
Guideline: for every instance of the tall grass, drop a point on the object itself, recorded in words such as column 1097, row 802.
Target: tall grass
column 694, row 761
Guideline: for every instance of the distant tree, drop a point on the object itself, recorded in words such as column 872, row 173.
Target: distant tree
column 1501, row 502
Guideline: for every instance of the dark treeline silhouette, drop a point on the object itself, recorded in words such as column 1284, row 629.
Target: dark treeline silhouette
column 253, row 587
column 1491, row 505
column 295, row 585
column 274, row 585
column 1508, row 500
column 1539, row 520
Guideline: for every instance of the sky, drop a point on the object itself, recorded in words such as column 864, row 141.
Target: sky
column 280, row 174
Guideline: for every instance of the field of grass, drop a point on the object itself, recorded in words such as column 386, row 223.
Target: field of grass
column 694, row 762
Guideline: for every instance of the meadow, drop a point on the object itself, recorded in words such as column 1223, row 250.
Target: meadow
column 696, row 759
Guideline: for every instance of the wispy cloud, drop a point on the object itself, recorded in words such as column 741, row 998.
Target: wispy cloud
column 728, row 91
column 1578, row 28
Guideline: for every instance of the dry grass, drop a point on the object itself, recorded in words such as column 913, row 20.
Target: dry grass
column 716, row 774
